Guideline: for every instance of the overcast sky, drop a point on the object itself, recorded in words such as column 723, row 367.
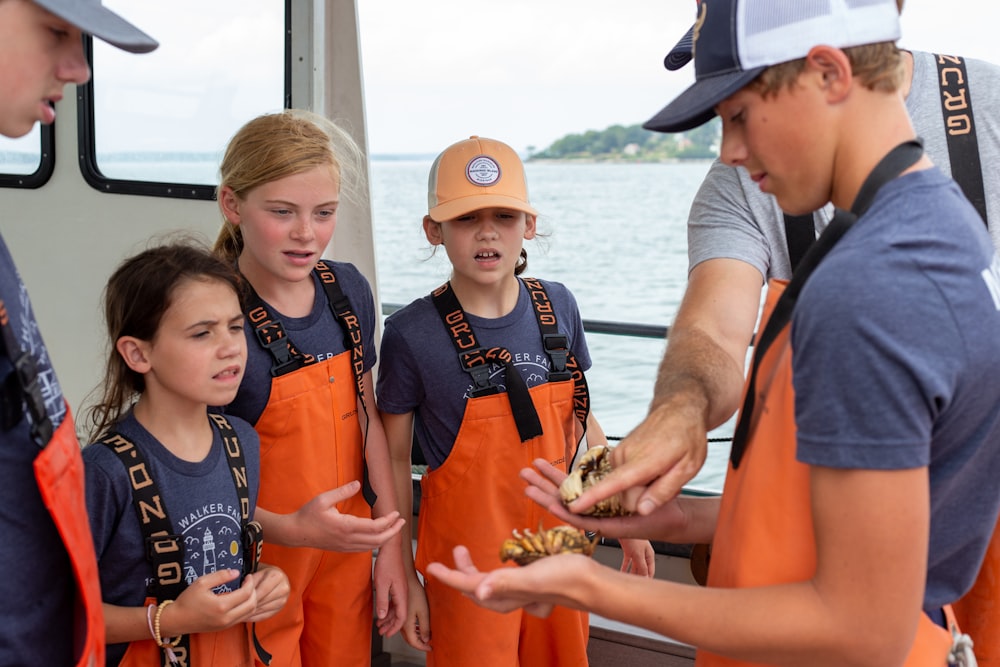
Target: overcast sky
column 530, row 71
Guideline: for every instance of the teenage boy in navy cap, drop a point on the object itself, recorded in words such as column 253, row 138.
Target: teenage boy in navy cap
column 843, row 531
column 50, row 602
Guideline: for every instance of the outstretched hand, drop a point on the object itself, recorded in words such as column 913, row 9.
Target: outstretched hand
column 320, row 525
column 536, row 588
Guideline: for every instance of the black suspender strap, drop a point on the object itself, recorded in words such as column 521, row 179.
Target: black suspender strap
column 800, row 233
column 270, row 333
column 21, row 390
column 960, row 130
column 473, row 359
column 252, row 532
column 164, row 549
column 353, row 341
column 892, row 165
column 563, row 362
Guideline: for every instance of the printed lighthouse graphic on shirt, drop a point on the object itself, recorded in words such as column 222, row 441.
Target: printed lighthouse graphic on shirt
column 212, row 542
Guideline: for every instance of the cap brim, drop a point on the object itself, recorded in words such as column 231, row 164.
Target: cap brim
column 696, row 105
column 680, row 55
column 463, row 205
column 97, row 20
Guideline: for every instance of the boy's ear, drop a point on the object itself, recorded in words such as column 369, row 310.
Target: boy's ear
column 135, row 353
column 229, row 204
column 530, row 226
column 432, row 230
column 833, row 68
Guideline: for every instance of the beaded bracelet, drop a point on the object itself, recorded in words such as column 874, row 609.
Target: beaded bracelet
column 167, row 644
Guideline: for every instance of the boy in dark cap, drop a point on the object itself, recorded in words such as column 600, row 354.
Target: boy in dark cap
column 50, row 612
column 843, row 526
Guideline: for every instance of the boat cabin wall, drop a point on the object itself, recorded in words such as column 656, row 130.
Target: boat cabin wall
column 67, row 237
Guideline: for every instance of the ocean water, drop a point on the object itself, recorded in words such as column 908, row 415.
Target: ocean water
column 615, row 234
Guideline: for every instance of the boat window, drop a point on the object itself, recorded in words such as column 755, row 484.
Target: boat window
column 27, row 162
column 157, row 123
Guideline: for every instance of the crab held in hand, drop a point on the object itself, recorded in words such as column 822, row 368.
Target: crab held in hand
column 527, row 547
column 593, row 466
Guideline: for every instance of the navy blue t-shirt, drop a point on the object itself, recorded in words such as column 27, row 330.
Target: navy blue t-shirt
column 420, row 371
column 37, row 588
column 896, row 342
column 200, row 498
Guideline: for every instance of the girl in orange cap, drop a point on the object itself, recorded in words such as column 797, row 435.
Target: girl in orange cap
column 487, row 374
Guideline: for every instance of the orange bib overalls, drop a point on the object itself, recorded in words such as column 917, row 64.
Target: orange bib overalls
column 765, row 534
column 311, row 442
column 59, row 473
column 476, row 498
column 232, row 647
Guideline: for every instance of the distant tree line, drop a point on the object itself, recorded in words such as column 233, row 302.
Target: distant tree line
column 632, row 143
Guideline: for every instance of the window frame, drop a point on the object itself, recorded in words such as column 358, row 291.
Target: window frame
column 46, row 164
column 87, row 139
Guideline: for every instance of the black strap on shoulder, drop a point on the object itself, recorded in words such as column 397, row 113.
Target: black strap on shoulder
column 892, row 165
column 165, row 549
column 800, row 234
column 563, row 364
column 353, row 341
column 270, row 333
column 960, row 130
column 21, row 390
column 473, row 359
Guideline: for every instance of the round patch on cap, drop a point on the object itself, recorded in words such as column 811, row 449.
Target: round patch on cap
column 482, row 170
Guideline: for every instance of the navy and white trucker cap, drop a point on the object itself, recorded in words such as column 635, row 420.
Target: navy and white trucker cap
column 733, row 41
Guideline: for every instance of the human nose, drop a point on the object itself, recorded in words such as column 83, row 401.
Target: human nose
column 734, row 149
column 73, row 67
column 233, row 346
column 487, row 229
column 302, row 230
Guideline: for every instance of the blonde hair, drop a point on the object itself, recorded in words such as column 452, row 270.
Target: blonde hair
column 274, row 146
column 878, row 67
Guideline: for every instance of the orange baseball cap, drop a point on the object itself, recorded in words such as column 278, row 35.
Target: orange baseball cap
column 473, row 174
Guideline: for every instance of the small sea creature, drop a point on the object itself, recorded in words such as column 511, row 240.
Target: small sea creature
column 593, row 466
column 528, row 547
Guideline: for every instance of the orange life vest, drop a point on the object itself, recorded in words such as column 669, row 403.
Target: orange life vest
column 765, row 532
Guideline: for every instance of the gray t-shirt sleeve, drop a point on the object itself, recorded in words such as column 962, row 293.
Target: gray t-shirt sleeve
column 725, row 222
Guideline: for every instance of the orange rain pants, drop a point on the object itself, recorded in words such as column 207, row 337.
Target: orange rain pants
column 311, row 442
column 476, row 498
column 232, row 647
column 59, row 474
column 765, row 534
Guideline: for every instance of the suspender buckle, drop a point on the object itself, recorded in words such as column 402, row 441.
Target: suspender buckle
column 253, row 545
column 556, row 347
column 474, row 363
column 283, row 360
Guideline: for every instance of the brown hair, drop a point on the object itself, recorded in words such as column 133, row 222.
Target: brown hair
column 877, row 66
column 274, row 146
column 137, row 295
